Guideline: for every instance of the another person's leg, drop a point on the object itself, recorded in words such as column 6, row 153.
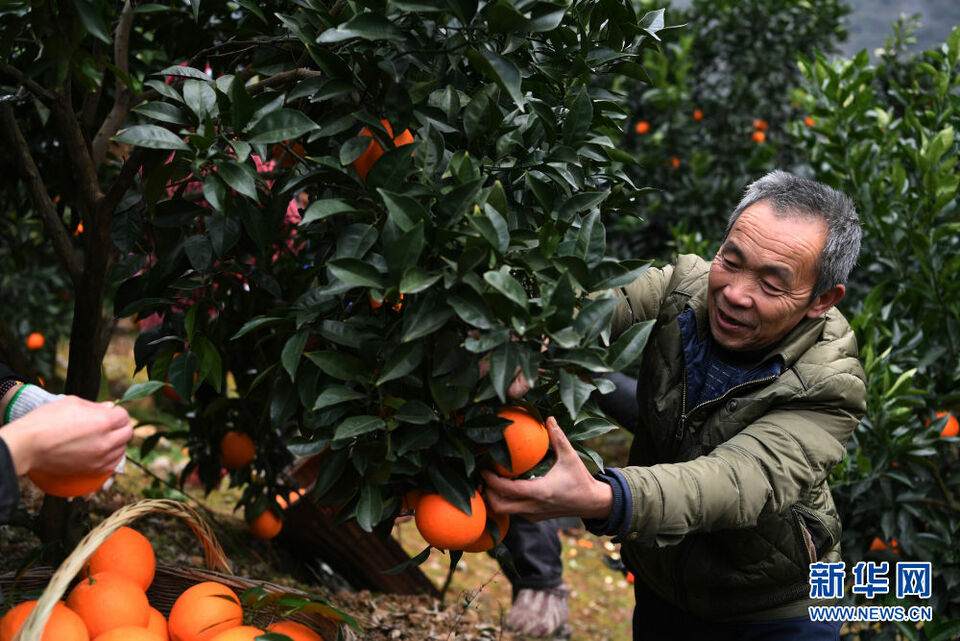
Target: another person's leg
column 540, row 599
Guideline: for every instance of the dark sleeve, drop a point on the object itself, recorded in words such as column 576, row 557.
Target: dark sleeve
column 620, row 513
column 9, row 486
column 6, row 372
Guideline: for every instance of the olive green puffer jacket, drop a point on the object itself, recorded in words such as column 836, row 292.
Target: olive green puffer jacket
column 723, row 498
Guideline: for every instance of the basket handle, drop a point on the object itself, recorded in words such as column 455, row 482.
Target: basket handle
column 32, row 629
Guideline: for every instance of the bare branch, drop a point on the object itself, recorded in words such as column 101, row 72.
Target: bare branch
column 27, row 82
column 85, row 174
column 38, row 193
column 122, row 94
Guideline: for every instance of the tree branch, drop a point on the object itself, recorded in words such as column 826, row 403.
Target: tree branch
column 131, row 167
column 38, row 193
column 88, row 185
column 27, row 82
column 122, row 94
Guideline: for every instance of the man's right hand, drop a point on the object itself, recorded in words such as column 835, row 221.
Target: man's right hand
column 69, row 436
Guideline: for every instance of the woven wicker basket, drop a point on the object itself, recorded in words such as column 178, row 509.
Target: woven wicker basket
column 169, row 581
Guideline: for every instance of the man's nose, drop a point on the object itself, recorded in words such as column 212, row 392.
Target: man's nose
column 739, row 292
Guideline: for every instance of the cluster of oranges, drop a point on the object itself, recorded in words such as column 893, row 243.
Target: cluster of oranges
column 445, row 526
column 110, row 604
column 372, row 154
column 759, row 135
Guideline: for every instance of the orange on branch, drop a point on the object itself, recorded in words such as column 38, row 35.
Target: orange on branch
column 35, row 341
column 266, row 526
column 203, row 611
column 758, row 137
column 485, row 540
column 808, row 121
column 952, row 427
column 697, row 115
column 127, row 553
column 642, row 127
column 371, row 155
column 527, row 440
column 63, row 624
column 107, row 600
column 236, row 449
column 760, row 125
column 445, row 526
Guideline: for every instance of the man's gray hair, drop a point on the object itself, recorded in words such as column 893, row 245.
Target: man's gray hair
column 792, row 195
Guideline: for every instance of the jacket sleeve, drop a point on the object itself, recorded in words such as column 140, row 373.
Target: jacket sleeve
column 641, row 299
column 9, row 486
column 767, row 467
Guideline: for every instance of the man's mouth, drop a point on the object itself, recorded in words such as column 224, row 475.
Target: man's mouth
column 730, row 321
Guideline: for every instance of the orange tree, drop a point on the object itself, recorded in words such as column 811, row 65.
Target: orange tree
column 376, row 314
column 715, row 113
column 885, row 133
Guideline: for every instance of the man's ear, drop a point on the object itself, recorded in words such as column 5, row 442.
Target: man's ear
column 826, row 300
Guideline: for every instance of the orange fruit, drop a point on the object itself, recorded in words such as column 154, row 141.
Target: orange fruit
column 203, row 611
column 68, row 485
column 409, row 501
column 79, row 229
column 878, row 545
column 808, row 121
column 674, row 161
column 63, row 624
column 365, row 162
column 760, row 125
column 642, row 127
column 697, row 115
column 294, row 630
column 485, row 541
column 527, row 440
column 266, row 526
column 236, row 449
column 35, row 341
column 158, row 624
column 127, row 553
column 445, row 526
column 952, row 428
column 758, row 136
column 239, row 633
column 106, row 600
column 129, row 633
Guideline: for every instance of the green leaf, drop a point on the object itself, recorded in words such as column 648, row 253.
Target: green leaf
column 452, row 485
column 595, row 317
column 507, row 285
column 628, row 348
column 574, row 392
column 337, row 364
column 242, row 106
column 256, row 323
column 367, row 26
column 417, row 413
column 406, row 250
column 198, row 251
column 320, row 209
column 589, row 428
column 355, row 272
column 92, row 19
column 239, row 178
column 369, row 507
column 580, row 202
column 623, row 274
column 253, row 8
column 151, row 137
column 425, row 318
column 280, row 125
column 358, row 425
column 292, row 351
column 506, row 74
column 416, row 279
column 579, row 118
column 162, row 112
column 402, row 361
column 183, row 71
column 335, row 394
column 403, row 210
column 141, row 390
column 504, row 361
column 653, row 23
column 200, row 98
column 472, row 309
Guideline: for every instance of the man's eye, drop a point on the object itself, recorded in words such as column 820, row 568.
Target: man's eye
column 770, row 287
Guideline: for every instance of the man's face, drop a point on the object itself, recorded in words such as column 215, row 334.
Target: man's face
column 761, row 279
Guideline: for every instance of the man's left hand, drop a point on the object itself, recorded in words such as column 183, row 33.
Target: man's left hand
column 568, row 489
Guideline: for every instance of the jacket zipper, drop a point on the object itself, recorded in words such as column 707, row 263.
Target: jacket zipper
column 684, row 415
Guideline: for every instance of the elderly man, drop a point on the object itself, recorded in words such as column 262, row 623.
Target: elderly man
column 749, row 388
